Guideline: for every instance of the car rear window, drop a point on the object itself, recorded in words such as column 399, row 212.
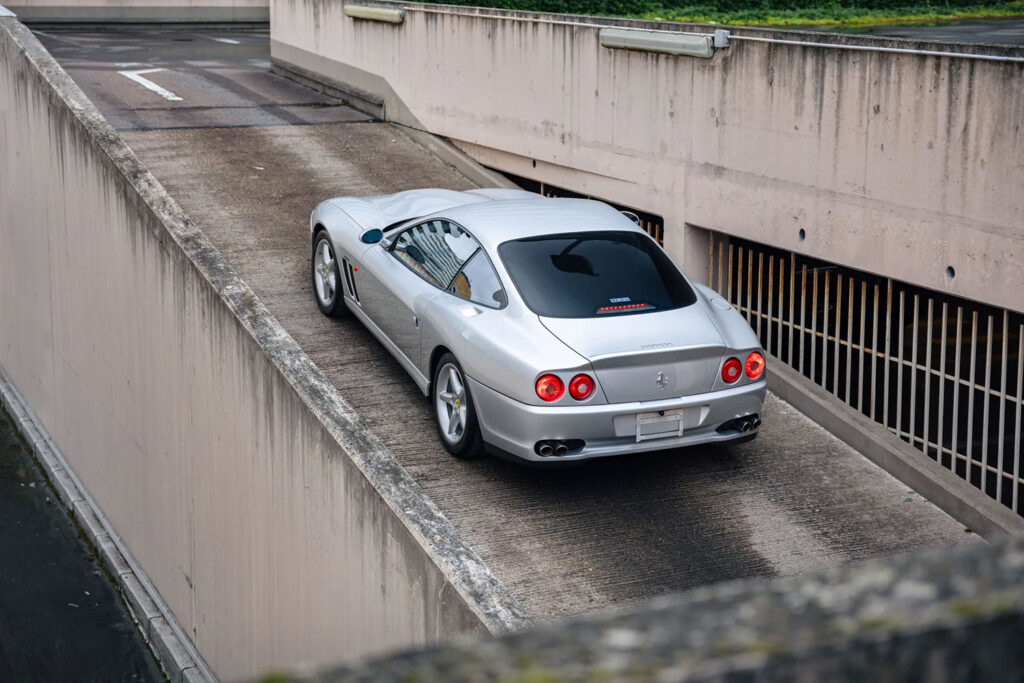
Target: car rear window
column 589, row 274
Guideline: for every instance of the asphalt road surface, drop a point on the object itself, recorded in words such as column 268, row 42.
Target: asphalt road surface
column 248, row 154
column 61, row 618
column 988, row 31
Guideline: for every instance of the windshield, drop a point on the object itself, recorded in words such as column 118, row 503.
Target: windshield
column 588, row 274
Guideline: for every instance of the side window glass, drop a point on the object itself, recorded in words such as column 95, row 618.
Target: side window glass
column 479, row 283
column 435, row 250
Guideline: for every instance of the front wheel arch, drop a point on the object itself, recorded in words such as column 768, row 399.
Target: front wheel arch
column 317, row 229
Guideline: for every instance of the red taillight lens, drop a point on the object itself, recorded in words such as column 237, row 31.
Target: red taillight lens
column 581, row 387
column 549, row 388
column 755, row 365
column 732, row 370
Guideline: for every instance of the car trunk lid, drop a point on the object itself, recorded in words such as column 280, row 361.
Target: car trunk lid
column 647, row 356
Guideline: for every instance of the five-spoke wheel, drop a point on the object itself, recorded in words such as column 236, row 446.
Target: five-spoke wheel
column 326, row 281
column 453, row 410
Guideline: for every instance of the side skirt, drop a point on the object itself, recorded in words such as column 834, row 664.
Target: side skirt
column 421, row 380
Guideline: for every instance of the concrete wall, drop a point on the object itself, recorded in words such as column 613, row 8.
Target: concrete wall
column 116, row 11
column 896, row 164
column 273, row 524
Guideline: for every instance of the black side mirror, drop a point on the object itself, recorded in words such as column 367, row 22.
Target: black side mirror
column 372, row 236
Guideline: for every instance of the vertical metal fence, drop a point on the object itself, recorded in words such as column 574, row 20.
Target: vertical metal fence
column 944, row 374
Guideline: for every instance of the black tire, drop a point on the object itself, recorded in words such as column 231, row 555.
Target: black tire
column 467, row 441
column 330, row 303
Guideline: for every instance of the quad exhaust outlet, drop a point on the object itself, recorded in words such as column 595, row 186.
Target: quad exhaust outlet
column 745, row 424
column 559, row 447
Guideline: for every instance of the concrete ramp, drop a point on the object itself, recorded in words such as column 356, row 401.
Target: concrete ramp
column 565, row 542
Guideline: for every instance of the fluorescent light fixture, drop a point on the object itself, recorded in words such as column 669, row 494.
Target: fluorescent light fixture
column 688, row 44
column 385, row 14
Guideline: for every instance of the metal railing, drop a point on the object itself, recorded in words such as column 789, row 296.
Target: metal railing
column 944, row 374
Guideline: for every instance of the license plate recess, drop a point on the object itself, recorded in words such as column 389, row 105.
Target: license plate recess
column 661, row 424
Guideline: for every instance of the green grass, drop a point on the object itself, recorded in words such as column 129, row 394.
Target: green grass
column 774, row 12
column 836, row 14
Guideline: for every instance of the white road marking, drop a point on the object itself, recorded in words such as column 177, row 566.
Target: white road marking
column 56, row 37
column 229, row 41
column 146, row 83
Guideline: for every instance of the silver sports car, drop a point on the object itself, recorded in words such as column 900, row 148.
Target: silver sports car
column 539, row 328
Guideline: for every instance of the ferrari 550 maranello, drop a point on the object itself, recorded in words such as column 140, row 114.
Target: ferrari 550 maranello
column 540, row 328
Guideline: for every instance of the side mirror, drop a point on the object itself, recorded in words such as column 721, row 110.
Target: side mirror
column 372, row 236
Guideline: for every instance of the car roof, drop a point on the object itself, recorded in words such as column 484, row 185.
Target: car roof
column 495, row 222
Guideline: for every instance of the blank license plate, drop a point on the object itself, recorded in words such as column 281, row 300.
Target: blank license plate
column 659, row 425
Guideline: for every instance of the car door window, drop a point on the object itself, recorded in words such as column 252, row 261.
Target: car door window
column 477, row 282
column 435, row 250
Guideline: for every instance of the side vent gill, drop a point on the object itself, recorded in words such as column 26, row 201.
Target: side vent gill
column 350, row 279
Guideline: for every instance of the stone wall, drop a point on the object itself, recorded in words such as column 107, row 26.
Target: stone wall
column 945, row 616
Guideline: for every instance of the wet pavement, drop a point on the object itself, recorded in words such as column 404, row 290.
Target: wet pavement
column 988, row 31
column 61, row 619
column 565, row 541
column 146, row 79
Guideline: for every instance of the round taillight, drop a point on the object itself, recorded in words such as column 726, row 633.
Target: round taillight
column 732, row 370
column 549, row 388
column 581, row 387
column 755, row 365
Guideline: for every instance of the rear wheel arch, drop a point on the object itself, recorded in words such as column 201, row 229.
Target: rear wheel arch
column 435, row 358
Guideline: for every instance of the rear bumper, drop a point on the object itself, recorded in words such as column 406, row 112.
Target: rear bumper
column 609, row 429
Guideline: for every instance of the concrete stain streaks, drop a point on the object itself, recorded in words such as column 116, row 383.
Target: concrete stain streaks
column 601, row 112
column 226, row 460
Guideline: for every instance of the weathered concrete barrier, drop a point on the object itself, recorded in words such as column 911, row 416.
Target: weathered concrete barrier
column 890, row 162
column 273, row 524
column 953, row 616
column 146, row 11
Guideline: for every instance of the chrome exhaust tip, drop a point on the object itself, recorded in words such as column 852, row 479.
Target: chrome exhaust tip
column 545, row 449
column 756, row 422
column 561, row 449
column 745, row 426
